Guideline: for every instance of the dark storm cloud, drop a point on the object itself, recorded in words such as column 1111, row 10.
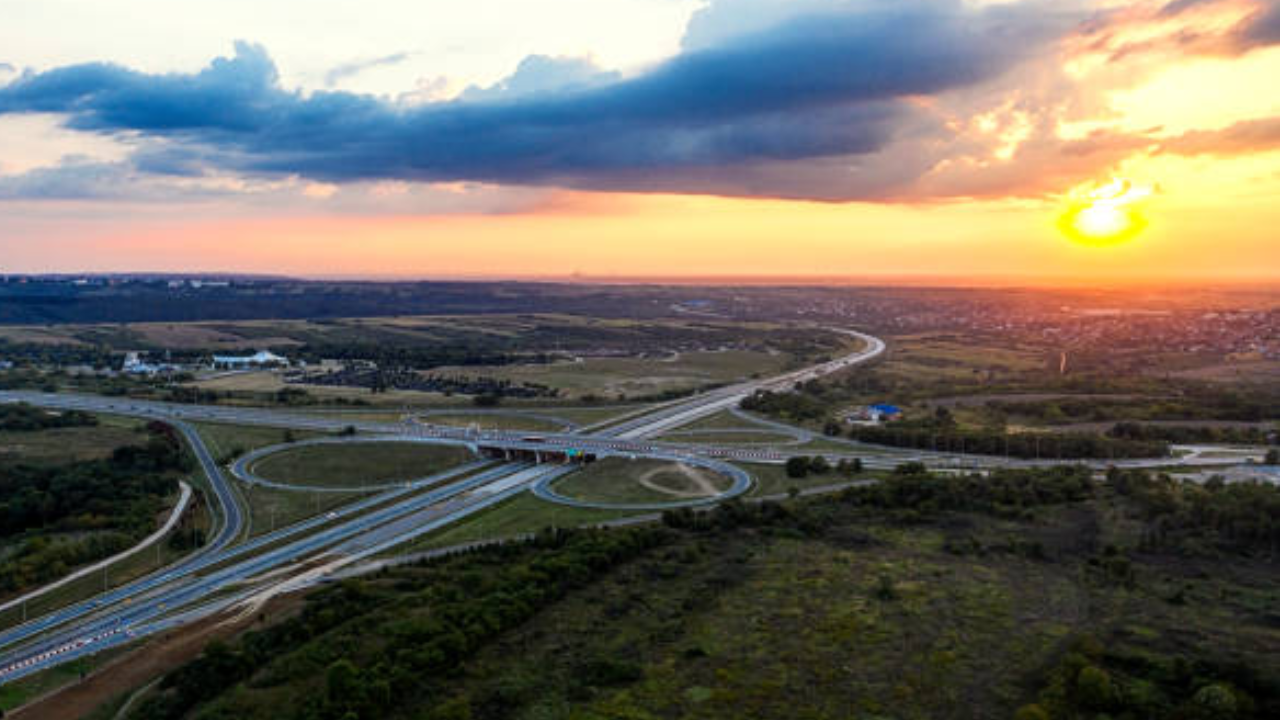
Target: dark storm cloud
column 817, row 87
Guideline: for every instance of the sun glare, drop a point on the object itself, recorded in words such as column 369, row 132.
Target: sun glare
column 1106, row 215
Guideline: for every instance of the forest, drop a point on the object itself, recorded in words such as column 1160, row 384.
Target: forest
column 54, row 517
column 925, row 596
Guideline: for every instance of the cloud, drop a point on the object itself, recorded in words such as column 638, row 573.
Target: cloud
column 1247, row 136
column 809, row 107
column 352, row 69
column 541, row 75
column 1187, row 27
column 1263, row 29
column 75, row 178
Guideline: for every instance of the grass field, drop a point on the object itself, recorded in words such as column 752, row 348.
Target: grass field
column 494, row 422
column 772, row 480
column 728, row 437
column 359, row 464
column 637, row 377
column 723, row 420
column 518, row 516
column 638, row 481
column 72, row 444
column 271, row 509
column 698, row 353
column 264, row 382
column 230, row 441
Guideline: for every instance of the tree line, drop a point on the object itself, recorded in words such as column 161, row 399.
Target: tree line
column 103, row 505
column 25, row 418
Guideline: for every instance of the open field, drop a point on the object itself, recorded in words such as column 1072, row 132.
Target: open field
column 70, row 444
column 358, row 464
column 227, row 442
column 523, row 514
column 610, row 378
column 267, row 382
column 271, row 509
column 456, row 412
column 723, row 420
column 772, row 480
column 494, row 422
column 618, row 480
column 940, row 358
column 624, row 378
column 728, row 437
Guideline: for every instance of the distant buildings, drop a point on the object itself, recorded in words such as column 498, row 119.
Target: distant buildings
column 875, row 414
column 135, row 365
column 260, row 359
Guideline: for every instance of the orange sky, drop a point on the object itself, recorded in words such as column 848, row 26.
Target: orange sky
column 1167, row 116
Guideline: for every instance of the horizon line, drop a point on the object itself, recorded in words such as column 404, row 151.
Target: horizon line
column 994, row 280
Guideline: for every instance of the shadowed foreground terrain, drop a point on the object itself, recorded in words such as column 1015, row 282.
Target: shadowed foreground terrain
column 1045, row 594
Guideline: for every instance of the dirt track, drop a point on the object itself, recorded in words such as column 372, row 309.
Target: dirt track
column 143, row 665
column 706, row 488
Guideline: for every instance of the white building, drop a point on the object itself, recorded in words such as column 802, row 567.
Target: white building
column 134, row 365
column 260, row 359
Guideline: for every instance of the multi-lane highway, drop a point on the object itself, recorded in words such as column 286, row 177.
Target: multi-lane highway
column 209, row 579
column 224, row 573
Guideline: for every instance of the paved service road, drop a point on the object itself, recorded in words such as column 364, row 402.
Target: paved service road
column 224, row 573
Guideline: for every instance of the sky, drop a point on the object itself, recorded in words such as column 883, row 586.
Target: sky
column 1028, row 140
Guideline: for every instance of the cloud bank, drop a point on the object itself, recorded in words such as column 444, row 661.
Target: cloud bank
column 812, row 99
column 727, row 117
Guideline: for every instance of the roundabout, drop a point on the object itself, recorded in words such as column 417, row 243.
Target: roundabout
column 651, row 478
column 326, row 462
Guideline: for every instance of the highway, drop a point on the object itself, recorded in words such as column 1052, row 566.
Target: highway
column 222, row 573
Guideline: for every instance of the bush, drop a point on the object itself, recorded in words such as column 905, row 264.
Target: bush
column 1094, row 690
column 797, row 467
column 1031, row 712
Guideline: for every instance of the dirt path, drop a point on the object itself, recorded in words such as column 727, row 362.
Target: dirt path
column 144, row 665
column 706, row 488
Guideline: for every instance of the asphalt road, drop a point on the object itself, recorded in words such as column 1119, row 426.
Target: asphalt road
column 221, row 574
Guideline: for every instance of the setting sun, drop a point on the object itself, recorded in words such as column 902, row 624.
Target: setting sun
column 1107, row 215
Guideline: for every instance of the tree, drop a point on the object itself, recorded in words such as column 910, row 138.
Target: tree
column 1031, row 712
column 1094, row 689
column 487, row 400
column 345, row 688
column 818, row 465
column 797, row 467
column 1215, row 702
column 1272, row 458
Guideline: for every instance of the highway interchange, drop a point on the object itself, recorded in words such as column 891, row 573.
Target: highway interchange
column 230, row 569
